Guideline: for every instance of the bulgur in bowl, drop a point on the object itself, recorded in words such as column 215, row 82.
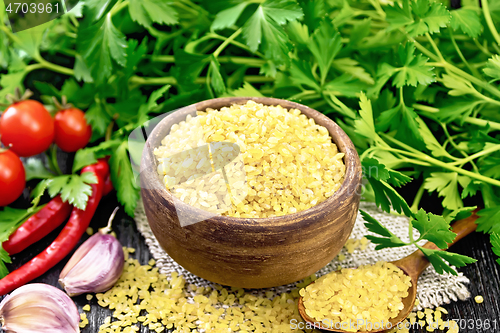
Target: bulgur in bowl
column 299, row 203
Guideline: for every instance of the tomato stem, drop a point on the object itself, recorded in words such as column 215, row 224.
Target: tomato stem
column 4, row 149
column 52, row 158
column 63, row 105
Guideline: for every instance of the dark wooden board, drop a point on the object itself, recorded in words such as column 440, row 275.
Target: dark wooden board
column 484, row 275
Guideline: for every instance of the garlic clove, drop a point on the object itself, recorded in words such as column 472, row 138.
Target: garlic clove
column 79, row 254
column 95, row 266
column 39, row 308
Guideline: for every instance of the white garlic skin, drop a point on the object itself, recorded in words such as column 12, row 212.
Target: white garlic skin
column 39, row 308
column 94, row 267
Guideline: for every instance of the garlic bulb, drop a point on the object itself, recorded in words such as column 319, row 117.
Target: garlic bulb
column 39, row 308
column 95, row 266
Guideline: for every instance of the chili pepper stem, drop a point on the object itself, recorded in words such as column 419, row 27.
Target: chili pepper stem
column 107, row 229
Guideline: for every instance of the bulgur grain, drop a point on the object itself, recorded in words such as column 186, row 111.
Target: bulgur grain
column 143, row 296
column 368, row 294
column 283, row 162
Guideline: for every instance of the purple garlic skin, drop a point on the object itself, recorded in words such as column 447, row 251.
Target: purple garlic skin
column 39, row 308
column 94, row 267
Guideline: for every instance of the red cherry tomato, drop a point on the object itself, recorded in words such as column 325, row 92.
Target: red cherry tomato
column 72, row 130
column 12, row 177
column 28, row 127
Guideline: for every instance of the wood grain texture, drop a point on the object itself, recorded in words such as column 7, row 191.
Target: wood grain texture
column 251, row 253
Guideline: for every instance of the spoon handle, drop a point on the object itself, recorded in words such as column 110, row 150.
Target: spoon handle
column 415, row 263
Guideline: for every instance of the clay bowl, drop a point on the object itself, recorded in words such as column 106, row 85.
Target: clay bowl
column 245, row 252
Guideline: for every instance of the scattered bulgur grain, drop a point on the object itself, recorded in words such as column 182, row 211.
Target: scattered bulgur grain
column 433, row 321
column 479, row 299
column 143, row 296
column 83, row 320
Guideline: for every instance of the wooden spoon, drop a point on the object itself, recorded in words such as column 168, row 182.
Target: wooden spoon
column 412, row 265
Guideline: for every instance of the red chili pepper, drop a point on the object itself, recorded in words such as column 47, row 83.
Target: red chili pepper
column 108, row 186
column 38, row 226
column 101, row 168
column 66, row 241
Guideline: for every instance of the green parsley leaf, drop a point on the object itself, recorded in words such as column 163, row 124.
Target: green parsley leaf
column 147, row 12
column 430, row 17
column 247, row 90
column 98, row 118
column 4, row 48
column 216, row 79
column 488, row 220
column 365, row 125
column 4, row 258
column 398, row 15
column 471, row 189
column 489, row 166
column 345, row 85
column 2, row 11
column 388, row 239
column 434, row 228
column 359, row 31
column 324, row 44
column 492, row 68
column 386, row 196
column 298, row 32
column 495, row 242
column 11, row 219
column 422, row 16
column 155, row 96
column 35, row 169
column 460, row 109
column 82, row 71
column 403, row 120
column 437, row 257
column 74, row 189
column 189, row 65
column 14, row 79
column 228, row 17
column 301, row 74
column 94, row 10
column 430, row 140
column 101, row 46
column 123, row 179
column 408, row 69
column 30, row 40
column 89, row 155
column 458, row 86
column 135, row 53
column 467, row 20
column 446, row 183
column 345, row 14
column 352, row 67
column 264, row 27
column 372, row 168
